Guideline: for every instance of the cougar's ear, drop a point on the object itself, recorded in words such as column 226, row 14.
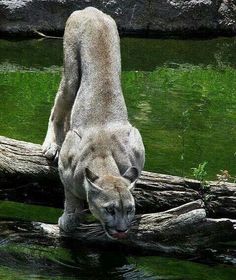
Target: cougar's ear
column 131, row 174
column 90, row 179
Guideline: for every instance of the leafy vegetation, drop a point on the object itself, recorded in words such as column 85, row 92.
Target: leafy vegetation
column 199, row 172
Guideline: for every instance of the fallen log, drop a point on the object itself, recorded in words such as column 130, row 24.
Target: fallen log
column 27, row 176
column 184, row 230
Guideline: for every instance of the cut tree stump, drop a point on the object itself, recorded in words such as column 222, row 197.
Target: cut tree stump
column 27, row 176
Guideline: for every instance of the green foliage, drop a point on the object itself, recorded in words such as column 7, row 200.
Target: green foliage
column 199, row 172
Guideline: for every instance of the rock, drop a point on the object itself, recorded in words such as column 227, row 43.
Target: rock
column 143, row 16
column 227, row 12
column 184, row 15
column 23, row 16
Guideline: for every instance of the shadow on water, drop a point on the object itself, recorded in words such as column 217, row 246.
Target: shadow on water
column 27, row 254
column 24, row 254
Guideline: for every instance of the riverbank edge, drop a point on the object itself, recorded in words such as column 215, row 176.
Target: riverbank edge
column 144, row 18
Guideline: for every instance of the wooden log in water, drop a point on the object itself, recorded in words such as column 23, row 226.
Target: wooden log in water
column 23, row 160
column 27, row 176
column 184, row 231
column 181, row 230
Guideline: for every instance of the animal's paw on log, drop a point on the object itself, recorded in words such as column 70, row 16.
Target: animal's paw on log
column 69, row 222
column 51, row 150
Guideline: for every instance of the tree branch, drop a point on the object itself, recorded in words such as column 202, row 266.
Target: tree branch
column 46, row 36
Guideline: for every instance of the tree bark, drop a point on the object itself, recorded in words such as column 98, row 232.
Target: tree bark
column 27, row 176
column 184, row 230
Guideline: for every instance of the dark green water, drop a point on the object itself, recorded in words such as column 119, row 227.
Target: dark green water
column 181, row 94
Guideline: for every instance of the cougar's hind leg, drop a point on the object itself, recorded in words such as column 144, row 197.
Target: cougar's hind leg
column 60, row 114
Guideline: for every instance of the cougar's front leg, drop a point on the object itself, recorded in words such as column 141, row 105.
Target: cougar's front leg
column 72, row 215
column 56, row 130
column 60, row 115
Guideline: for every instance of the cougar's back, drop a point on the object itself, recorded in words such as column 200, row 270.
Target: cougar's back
column 94, row 39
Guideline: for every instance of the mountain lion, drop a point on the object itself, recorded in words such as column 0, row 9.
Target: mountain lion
column 100, row 155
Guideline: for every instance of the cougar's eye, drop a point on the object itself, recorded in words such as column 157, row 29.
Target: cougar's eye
column 110, row 210
column 130, row 209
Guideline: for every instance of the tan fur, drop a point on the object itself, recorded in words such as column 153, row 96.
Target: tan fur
column 89, row 122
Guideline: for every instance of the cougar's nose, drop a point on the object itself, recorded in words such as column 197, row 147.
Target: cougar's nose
column 122, row 226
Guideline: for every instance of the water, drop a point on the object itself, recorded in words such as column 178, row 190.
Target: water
column 180, row 94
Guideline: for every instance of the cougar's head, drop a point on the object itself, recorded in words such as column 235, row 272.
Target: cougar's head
column 110, row 200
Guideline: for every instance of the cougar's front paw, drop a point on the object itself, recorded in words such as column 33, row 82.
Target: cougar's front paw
column 68, row 222
column 51, row 150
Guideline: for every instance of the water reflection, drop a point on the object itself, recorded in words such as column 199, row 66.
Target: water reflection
column 25, row 254
column 29, row 255
column 137, row 54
